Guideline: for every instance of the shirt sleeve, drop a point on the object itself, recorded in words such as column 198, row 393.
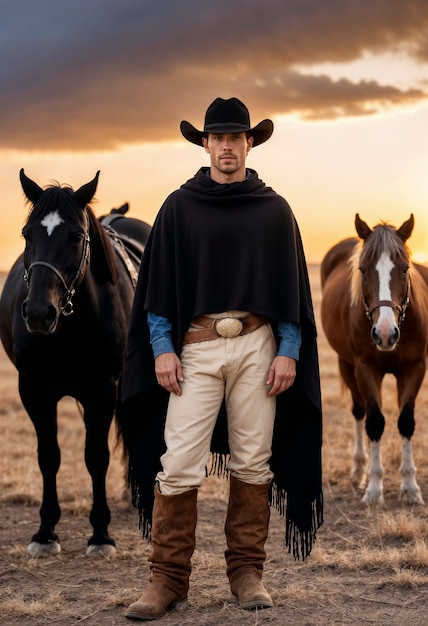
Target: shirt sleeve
column 290, row 339
column 161, row 340
column 160, row 334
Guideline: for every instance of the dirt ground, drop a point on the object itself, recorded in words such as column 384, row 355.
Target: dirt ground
column 369, row 566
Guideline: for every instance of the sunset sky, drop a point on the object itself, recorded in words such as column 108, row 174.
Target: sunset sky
column 89, row 85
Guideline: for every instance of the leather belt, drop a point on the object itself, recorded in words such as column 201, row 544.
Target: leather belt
column 228, row 327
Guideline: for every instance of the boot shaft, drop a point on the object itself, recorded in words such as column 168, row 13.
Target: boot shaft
column 246, row 527
column 173, row 538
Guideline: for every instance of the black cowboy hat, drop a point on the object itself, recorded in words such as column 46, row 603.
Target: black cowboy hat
column 227, row 116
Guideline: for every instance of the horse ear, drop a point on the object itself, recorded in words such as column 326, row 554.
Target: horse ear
column 362, row 228
column 86, row 192
column 31, row 189
column 406, row 228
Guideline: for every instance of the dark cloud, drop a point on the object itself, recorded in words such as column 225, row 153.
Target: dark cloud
column 95, row 74
column 318, row 97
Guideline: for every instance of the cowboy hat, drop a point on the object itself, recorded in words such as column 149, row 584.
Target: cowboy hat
column 227, row 116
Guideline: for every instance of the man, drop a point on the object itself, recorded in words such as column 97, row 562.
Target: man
column 224, row 299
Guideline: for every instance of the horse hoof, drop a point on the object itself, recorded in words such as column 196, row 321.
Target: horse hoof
column 373, row 499
column 359, row 482
column 106, row 549
column 37, row 549
column 359, row 475
column 412, row 497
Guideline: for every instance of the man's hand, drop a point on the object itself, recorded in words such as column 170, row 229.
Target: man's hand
column 168, row 372
column 281, row 375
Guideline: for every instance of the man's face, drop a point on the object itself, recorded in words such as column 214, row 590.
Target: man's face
column 228, row 153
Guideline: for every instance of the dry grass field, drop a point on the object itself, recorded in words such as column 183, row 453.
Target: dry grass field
column 369, row 566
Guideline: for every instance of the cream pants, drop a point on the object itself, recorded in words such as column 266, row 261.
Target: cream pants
column 235, row 369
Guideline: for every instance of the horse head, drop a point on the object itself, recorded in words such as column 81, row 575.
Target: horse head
column 383, row 264
column 57, row 250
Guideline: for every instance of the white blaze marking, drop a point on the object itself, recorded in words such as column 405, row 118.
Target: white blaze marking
column 51, row 221
column 384, row 267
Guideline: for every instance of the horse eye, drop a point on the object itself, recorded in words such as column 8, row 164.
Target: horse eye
column 77, row 238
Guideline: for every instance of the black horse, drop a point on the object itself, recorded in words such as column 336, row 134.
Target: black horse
column 64, row 314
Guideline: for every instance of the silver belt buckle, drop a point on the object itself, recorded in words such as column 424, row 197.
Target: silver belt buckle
column 229, row 327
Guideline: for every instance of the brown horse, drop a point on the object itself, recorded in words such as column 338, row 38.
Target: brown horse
column 374, row 313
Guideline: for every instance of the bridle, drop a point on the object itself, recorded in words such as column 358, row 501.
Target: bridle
column 401, row 309
column 67, row 308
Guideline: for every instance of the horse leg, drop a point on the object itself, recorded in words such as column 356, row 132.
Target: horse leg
column 359, row 454
column 410, row 492
column 375, row 424
column 369, row 384
column 98, row 418
column 44, row 417
column 373, row 494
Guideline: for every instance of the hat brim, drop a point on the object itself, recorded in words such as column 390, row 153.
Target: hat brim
column 261, row 132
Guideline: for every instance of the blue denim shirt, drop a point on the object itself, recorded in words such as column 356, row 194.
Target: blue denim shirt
column 160, row 337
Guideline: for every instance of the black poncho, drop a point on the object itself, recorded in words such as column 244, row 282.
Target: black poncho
column 215, row 248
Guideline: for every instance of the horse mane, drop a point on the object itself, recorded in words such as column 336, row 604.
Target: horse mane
column 103, row 258
column 383, row 238
column 355, row 275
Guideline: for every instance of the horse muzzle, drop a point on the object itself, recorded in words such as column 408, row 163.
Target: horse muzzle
column 385, row 336
column 40, row 319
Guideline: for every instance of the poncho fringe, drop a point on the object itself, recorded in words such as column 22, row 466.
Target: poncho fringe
column 298, row 542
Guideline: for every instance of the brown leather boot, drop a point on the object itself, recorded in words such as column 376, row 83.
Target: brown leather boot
column 173, row 543
column 246, row 528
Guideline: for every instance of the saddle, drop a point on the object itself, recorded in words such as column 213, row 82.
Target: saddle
column 129, row 250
